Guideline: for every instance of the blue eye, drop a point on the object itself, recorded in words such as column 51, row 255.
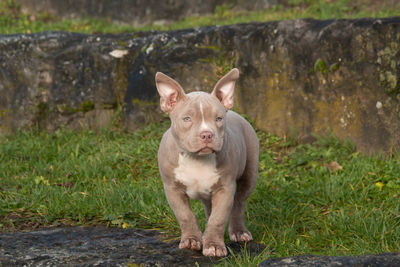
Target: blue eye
column 187, row 119
column 218, row 119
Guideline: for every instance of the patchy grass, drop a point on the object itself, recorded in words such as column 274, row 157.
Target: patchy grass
column 320, row 198
column 13, row 21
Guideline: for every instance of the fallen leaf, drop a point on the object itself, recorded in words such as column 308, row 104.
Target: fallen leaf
column 118, row 53
column 325, row 210
column 379, row 185
column 334, row 166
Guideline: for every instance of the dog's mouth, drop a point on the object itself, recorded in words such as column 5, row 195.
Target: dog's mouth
column 205, row 151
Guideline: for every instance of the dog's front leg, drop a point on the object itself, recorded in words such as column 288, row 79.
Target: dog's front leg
column 221, row 205
column 190, row 230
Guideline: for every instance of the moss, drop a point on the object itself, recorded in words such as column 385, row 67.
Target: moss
column 4, row 111
column 41, row 112
column 144, row 48
column 334, row 67
column 61, row 108
column 144, row 103
column 169, row 44
column 87, row 106
column 123, row 43
column 212, row 47
column 104, row 48
column 225, row 62
column 320, row 66
column 222, row 60
column 120, row 80
column 388, row 69
column 392, row 80
column 109, row 106
column 207, row 60
column 84, row 107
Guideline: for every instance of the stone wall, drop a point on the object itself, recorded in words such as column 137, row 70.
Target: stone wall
column 138, row 12
column 297, row 77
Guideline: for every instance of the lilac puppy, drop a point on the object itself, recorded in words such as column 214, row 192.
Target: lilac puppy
column 210, row 153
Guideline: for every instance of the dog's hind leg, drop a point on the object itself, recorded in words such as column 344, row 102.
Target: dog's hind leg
column 245, row 185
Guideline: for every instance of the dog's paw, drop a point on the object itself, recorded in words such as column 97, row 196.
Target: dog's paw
column 240, row 236
column 190, row 243
column 214, row 250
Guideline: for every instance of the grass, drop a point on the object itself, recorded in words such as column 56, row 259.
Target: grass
column 12, row 20
column 320, row 198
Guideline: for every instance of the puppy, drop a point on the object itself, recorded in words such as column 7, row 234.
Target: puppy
column 209, row 153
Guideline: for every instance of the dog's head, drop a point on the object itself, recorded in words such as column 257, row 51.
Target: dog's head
column 198, row 118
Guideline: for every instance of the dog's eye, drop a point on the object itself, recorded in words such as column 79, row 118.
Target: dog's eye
column 218, row 119
column 187, row 119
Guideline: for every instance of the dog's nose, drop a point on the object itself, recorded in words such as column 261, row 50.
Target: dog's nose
column 206, row 136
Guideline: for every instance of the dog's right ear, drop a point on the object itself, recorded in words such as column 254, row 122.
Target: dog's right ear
column 170, row 92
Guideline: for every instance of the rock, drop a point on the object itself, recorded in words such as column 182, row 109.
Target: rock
column 298, row 77
column 381, row 260
column 138, row 12
column 99, row 246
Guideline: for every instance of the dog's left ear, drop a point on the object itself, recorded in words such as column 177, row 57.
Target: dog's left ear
column 225, row 87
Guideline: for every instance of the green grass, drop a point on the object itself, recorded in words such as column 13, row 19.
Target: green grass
column 13, row 21
column 299, row 206
column 82, row 178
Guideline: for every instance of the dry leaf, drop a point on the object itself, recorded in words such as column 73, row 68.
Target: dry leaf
column 334, row 166
column 118, row 53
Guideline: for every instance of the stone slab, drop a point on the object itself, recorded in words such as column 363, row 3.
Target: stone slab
column 99, row 246
column 381, row 260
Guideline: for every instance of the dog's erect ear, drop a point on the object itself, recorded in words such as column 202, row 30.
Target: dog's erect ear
column 225, row 87
column 170, row 92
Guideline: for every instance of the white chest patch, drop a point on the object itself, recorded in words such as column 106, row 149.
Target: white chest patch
column 198, row 175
